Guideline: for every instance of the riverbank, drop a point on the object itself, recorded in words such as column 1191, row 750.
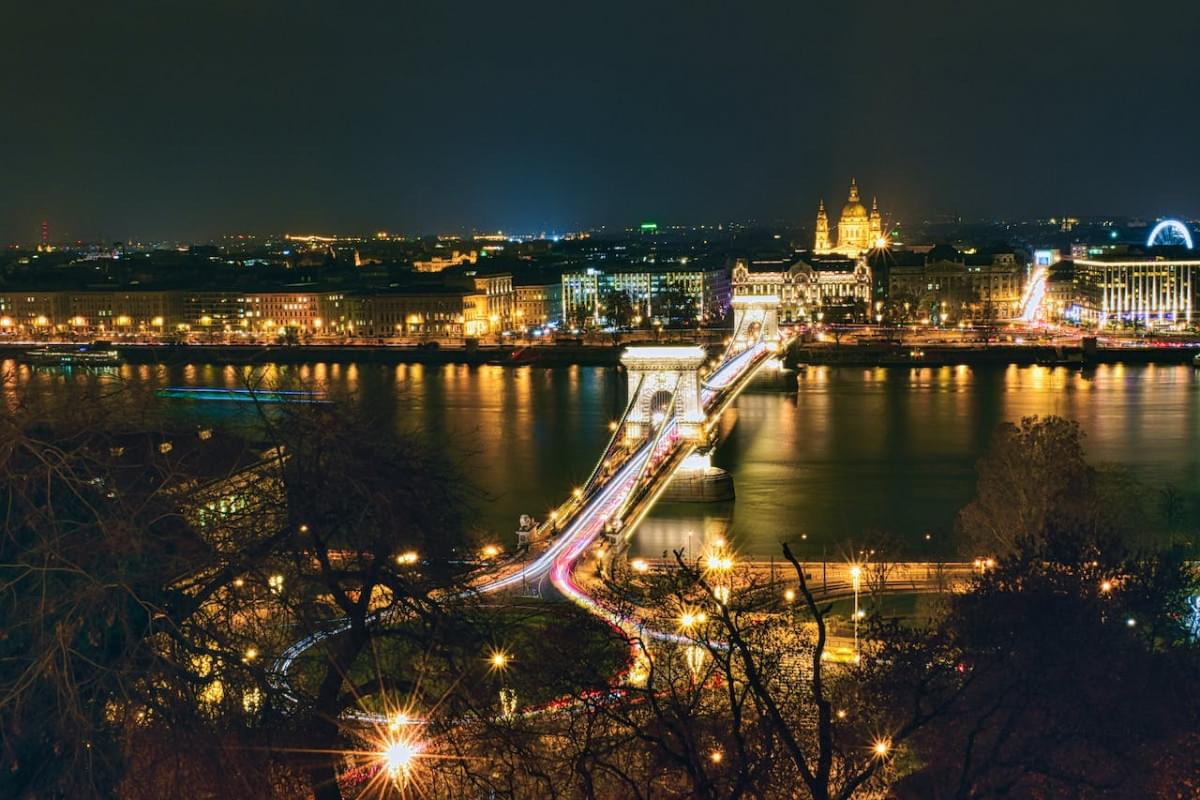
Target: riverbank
column 609, row 355
column 941, row 355
column 509, row 355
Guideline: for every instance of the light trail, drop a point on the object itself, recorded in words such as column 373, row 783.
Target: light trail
column 1035, row 292
column 584, row 527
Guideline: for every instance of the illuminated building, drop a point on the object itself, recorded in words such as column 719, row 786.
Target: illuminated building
column 650, row 291
column 857, row 230
column 438, row 263
column 806, row 287
column 213, row 310
column 32, row 311
column 1157, row 292
column 298, row 311
column 497, row 289
column 432, row 311
column 141, row 312
column 956, row 285
column 536, row 302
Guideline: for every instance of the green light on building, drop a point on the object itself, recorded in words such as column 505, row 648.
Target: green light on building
column 649, row 227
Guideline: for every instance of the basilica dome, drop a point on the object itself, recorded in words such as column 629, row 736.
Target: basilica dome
column 857, row 230
column 854, row 209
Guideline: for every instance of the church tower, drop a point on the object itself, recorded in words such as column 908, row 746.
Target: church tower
column 822, row 245
column 876, row 224
column 853, row 235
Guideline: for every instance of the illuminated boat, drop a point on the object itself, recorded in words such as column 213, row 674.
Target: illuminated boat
column 220, row 395
column 97, row 354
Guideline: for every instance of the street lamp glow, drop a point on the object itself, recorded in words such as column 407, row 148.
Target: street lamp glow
column 716, row 756
column 499, row 659
column 855, row 576
column 640, row 565
column 398, row 755
column 789, row 595
column 407, row 557
column 882, row 747
column 491, row 551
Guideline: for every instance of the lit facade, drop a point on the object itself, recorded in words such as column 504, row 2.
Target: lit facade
column 497, row 288
column 1154, row 292
column 31, row 312
column 271, row 311
column 439, row 263
column 441, row 313
column 976, row 287
column 537, row 304
column 122, row 312
column 584, row 292
column 804, row 288
column 857, row 230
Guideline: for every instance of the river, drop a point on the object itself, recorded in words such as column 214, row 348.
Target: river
column 830, row 458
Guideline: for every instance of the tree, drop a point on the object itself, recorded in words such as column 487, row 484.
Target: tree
column 110, row 586
column 1032, row 472
column 377, row 532
column 618, row 308
column 152, row 579
column 1079, row 675
column 745, row 703
column 677, row 306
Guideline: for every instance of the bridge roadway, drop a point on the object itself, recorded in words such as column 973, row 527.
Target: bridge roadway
column 583, row 518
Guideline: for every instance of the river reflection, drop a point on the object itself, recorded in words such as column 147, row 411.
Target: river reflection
column 824, row 458
column 835, row 458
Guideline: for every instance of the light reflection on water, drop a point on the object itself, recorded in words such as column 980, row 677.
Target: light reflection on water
column 832, row 453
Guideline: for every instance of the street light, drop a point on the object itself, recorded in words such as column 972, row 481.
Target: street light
column 882, row 747
column 397, row 755
column 856, row 579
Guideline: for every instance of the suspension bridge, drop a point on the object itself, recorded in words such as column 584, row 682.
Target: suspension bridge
column 676, row 395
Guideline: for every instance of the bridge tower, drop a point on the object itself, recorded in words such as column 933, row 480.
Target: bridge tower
column 755, row 318
column 664, row 380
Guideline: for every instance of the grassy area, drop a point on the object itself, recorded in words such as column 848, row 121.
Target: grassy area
column 552, row 649
column 906, row 605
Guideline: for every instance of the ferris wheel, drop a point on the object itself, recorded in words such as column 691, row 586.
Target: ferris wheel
column 1170, row 232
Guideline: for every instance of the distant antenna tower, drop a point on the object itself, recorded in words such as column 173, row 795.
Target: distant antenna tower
column 45, row 234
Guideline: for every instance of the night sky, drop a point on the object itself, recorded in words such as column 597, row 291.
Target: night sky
column 175, row 119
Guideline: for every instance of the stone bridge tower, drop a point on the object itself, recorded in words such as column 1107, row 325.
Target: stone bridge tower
column 655, row 375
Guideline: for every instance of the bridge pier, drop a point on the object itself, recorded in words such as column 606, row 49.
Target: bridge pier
column 698, row 481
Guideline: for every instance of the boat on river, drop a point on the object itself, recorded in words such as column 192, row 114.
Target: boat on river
column 222, row 395
column 96, row 354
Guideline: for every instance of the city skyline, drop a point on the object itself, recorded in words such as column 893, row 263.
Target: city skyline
column 191, row 125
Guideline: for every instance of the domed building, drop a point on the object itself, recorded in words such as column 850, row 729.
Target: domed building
column 857, row 230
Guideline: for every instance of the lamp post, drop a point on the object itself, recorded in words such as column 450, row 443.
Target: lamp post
column 855, row 579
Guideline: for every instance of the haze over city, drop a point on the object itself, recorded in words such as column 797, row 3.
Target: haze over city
column 143, row 120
